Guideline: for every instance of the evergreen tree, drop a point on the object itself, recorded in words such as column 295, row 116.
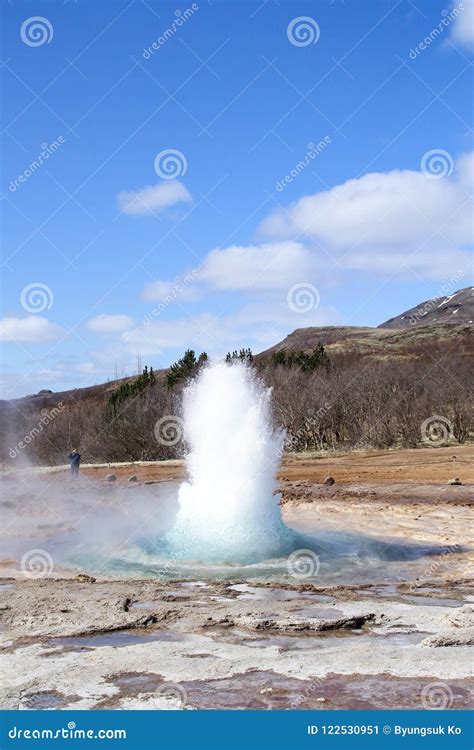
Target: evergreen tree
column 279, row 358
column 131, row 389
column 307, row 362
column 244, row 355
column 186, row 367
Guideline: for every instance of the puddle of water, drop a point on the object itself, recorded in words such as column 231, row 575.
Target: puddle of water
column 271, row 691
column 287, row 643
column 5, row 586
column 116, row 639
column 122, row 638
column 432, row 601
column 134, row 684
column 424, row 597
column 316, row 640
column 138, row 682
column 399, row 639
column 324, row 641
column 257, row 593
column 385, row 591
column 48, row 699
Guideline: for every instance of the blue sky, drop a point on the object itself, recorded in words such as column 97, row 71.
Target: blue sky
column 319, row 174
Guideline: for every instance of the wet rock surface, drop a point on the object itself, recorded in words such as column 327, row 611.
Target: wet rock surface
column 69, row 643
column 396, row 635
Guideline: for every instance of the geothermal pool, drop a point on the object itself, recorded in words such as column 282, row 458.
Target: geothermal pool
column 223, row 522
column 229, row 522
column 208, row 593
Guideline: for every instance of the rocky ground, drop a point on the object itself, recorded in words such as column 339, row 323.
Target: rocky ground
column 399, row 635
column 420, row 466
column 124, row 644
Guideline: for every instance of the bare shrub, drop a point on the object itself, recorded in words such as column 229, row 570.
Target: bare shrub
column 356, row 402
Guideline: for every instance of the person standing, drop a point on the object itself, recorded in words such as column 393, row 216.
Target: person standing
column 74, row 461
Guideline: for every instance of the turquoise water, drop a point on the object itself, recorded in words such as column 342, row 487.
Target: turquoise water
column 319, row 557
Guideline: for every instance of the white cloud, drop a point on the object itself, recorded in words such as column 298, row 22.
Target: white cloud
column 184, row 289
column 263, row 273
column 256, row 324
column 88, row 368
column 276, row 311
column 463, row 26
column 465, row 171
column 110, row 323
column 153, row 338
column 32, row 329
column 432, row 262
column 241, row 268
column 382, row 214
column 257, row 267
column 153, row 198
column 401, row 222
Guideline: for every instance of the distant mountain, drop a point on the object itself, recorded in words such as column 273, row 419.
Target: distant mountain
column 398, row 339
column 381, row 344
column 416, row 348
column 416, row 333
column 454, row 308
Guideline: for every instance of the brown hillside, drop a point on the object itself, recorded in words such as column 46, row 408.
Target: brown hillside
column 380, row 343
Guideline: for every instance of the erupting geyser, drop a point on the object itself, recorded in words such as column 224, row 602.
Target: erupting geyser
column 226, row 517
column 227, row 509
